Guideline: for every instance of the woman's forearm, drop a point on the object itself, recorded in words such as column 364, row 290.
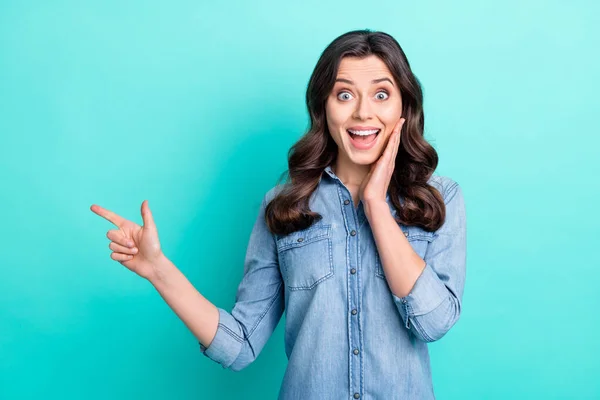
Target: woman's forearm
column 401, row 265
column 197, row 313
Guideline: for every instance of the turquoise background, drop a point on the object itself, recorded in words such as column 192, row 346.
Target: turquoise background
column 193, row 106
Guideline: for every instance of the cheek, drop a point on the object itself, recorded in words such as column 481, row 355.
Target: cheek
column 334, row 131
column 335, row 115
column 335, row 120
column 390, row 115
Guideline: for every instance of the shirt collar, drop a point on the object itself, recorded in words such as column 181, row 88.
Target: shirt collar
column 330, row 172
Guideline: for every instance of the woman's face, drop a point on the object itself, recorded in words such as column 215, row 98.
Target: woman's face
column 362, row 109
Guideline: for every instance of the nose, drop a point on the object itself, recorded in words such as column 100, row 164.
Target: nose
column 363, row 109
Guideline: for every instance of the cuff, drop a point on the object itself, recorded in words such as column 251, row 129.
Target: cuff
column 426, row 295
column 226, row 345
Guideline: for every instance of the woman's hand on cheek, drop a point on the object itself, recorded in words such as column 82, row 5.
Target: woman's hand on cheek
column 375, row 185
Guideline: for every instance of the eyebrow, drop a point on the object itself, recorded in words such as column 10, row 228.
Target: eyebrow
column 348, row 81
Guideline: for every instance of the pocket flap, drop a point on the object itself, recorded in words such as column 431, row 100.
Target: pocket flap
column 417, row 233
column 303, row 237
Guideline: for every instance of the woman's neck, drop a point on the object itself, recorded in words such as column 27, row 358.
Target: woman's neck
column 350, row 174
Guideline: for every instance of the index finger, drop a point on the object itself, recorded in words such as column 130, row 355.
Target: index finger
column 399, row 124
column 391, row 145
column 108, row 215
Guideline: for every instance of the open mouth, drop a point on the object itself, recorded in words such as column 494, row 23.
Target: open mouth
column 363, row 139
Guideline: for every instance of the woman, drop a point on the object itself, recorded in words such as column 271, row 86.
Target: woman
column 363, row 248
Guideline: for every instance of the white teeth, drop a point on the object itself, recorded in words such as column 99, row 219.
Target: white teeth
column 363, row 133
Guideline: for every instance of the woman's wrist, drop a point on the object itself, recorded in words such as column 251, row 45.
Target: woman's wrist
column 161, row 269
column 374, row 207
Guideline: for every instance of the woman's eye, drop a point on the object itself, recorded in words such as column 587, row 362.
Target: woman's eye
column 344, row 96
column 385, row 95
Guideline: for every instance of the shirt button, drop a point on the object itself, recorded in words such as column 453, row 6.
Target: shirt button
column 353, row 233
column 355, row 351
column 346, row 202
column 353, row 271
column 405, row 233
column 356, row 396
column 354, row 312
column 300, row 239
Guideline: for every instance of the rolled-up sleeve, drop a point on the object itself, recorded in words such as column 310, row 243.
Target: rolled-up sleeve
column 259, row 304
column 434, row 304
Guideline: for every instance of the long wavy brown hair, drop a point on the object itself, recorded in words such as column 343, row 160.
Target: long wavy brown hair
column 421, row 205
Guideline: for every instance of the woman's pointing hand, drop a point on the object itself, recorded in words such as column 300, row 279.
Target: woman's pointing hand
column 136, row 247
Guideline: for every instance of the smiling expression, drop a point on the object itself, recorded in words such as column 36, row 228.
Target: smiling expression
column 362, row 109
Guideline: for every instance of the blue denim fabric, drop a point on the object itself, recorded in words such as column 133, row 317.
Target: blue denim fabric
column 346, row 335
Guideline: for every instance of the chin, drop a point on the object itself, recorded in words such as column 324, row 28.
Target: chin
column 363, row 159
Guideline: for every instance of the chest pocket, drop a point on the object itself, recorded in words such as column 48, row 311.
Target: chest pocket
column 306, row 257
column 418, row 238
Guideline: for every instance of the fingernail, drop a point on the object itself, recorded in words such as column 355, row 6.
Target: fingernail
column 130, row 244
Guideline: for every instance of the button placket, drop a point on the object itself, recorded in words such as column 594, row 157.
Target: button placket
column 356, row 352
column 352, row 225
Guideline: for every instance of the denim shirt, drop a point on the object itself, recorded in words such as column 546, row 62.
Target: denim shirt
column 347, row 336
